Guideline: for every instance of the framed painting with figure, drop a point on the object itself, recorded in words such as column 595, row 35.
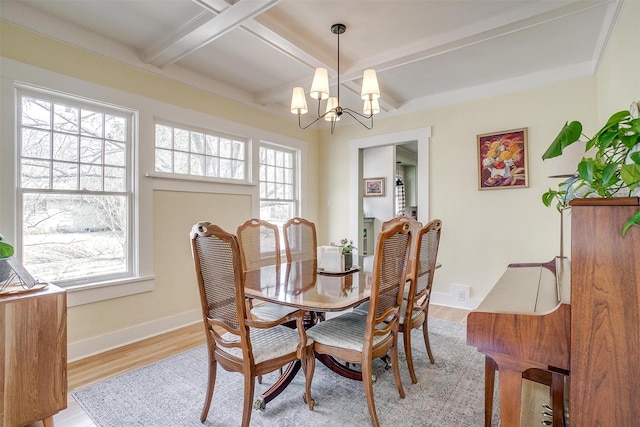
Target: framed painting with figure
column 502, row 160
column 373, row 187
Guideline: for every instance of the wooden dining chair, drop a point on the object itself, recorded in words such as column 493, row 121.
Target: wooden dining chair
column 357, row 339
column 414, row 312
column 260, row 246
column 300, row 239
column 234, row 340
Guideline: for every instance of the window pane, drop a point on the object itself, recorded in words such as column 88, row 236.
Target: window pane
column 91, row 150
column 163, row 161
column 35, row 173
column 36, row 143
column 213, row 166
column 225, row 148
column 197, row 164
column 114, row 127
column 180, row 162
column 197, row 142
column 91, row 177
column 36, row 113
column 238, row 169
column 114, row 153
column 225, row 168
column 114, row 179
column 238, row 150
column 74, row 236
column 212, row 146
column 65, row 118
column 65, row 147
column 163, row 136
column 91, row 123
column 181, row 140
column 65, row 176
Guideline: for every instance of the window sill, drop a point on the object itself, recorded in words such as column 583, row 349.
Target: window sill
column 95, row 292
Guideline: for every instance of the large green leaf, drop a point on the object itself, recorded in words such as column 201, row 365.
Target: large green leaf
column 634, row 220
column 569, row 134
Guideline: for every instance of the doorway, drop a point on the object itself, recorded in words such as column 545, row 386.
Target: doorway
column 416, row 140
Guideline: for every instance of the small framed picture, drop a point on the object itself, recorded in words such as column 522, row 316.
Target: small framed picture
column 374, row 187
column 502, row 160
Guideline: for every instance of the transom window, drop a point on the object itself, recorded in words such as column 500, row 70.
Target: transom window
column 74, row 188
column 199, row 153
column 278, row 183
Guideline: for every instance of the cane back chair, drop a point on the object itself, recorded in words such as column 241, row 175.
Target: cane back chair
column 234, row 340
column 260, row 246
column 358, row 339
column 300, row 239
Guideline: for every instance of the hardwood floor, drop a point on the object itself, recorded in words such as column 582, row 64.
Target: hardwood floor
column 114, row 362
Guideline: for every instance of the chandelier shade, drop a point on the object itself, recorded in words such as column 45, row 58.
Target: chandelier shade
column 298, row 101
column 370, row 93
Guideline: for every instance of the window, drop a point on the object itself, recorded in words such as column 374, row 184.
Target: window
column 198, row 153
column 278, row 183
column 75, row 188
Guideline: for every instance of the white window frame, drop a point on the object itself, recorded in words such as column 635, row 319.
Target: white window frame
column 295, row 154
column 25, row 91
column 207, row 132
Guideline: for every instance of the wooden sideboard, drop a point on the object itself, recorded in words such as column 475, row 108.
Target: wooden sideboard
column 33, row 356
column 605, row 314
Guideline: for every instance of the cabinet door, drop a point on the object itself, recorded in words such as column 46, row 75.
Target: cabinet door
column 34, row 359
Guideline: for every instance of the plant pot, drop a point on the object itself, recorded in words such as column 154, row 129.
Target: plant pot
column 348, row 261
column 5, row 269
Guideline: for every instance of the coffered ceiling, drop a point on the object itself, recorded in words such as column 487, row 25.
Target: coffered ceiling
column 426, row 52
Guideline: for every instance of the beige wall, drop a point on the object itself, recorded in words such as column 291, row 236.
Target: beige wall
column 483, row 230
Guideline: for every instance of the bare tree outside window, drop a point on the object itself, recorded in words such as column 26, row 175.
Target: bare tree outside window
column 198, row 153
column 75, row 188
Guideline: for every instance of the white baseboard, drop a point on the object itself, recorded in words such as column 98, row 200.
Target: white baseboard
column 91, row 346
column 449, row 300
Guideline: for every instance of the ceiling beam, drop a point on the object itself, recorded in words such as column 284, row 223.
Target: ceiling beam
column 204, row 29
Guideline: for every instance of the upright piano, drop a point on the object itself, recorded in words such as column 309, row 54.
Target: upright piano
column 523, row 327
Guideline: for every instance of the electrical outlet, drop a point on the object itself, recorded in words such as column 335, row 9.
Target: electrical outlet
column 460, row 292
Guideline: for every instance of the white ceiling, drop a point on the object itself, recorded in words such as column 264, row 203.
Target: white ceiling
column 426, row 52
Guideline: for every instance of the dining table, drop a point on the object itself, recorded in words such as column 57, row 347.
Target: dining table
column 301, row 284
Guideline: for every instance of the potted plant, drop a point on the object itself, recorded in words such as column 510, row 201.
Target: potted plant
column 614, row 169
column 347, row 252
column 6, row 252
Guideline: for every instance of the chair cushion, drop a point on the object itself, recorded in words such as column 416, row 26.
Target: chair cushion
column 344, row 331
column 271, row 312
column 403, row 310
column 267, row 343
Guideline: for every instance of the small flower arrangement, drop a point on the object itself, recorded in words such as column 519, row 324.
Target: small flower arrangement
column 347, row 246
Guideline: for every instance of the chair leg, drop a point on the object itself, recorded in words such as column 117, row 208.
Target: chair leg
column 406, row 336
column 213, row 366
column 367, row 382
column 396, row 367
column 425, row 334
column 249, row 386
column 309, row 366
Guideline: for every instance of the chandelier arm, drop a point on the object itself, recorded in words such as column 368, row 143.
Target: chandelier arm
column 351, row 112
column 333, row 110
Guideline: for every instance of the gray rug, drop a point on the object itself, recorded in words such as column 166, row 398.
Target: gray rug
column 171, row 392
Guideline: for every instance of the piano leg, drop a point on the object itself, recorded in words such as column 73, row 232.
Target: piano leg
column 510, row 396
column 489, row 382
column 557, row 396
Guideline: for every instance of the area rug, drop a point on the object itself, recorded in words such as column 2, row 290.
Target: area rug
column 170, row 392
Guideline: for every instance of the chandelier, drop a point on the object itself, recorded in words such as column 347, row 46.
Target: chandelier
column 370, row 93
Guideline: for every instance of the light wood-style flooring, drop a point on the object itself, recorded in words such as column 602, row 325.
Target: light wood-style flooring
column 114, row 362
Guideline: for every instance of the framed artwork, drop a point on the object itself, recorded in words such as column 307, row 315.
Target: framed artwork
column 374, row 187
column 502, row 160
